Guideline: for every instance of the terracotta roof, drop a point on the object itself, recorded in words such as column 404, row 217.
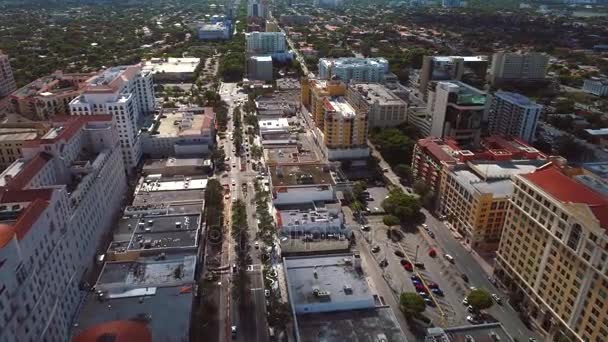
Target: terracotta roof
column 29, row 216
column 116, row 331
column 6, row 234
column 435, row 150
column 71, row 126
column 22, row 196
column 568, row 190
column 31, row 169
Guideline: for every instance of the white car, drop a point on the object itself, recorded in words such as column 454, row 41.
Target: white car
column 256, row 245
column 465, row 301
column 471, row 319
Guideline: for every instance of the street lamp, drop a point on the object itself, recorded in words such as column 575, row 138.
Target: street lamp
column 416, row 257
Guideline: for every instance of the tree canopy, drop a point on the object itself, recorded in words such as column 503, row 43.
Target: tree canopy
column 411, row 304
column 405, row 207
column 480, row 299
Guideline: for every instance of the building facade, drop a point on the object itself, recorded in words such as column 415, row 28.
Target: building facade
column 552, row 254
column 125, row 92
column 49, row 96
column 383, row 108
column 267, row 43
column 57, row 202
column 469, row 69
column 257, row 8
column 344, row 130
column 260, row 68
column 172, row 70
column 355, row 69
column 457, row 112
column 7, row 81
column 313, row 94
column 14, row 136
column 596, row 86
column 217, row 31
column 513, row 114
column 508, row 67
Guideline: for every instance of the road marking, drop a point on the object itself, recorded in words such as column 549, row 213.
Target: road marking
column 257, row 289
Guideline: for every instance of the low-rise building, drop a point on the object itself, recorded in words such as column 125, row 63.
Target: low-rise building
column 57, row 203
column 598, row 136
column 383, row 108
column 180, row 133
column 301, row 183
column 478, row 332
column 217, row 31
column 49, row 96
column 475, row 198
column 357, row 69
column 172, row 70
column 312, row 221
column 14, row 136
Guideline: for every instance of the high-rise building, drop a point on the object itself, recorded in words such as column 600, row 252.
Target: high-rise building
column 314, row 92
column 327, row 3
column 345, row 130
column 513, row 114
column 7, row 81
column 266, row 43
column 56, row 204
column 382, row 107
column 468, row 69
column 508, row 67
column 596, row 86
column 259, row 68
column 457, row 112
column 49, row 95
column 553, row 252
column 125, row 92
column 475, row 198
column 355, row 69
column 257, row 8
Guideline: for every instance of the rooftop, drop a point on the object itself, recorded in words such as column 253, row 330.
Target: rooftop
column 154, row 183
column 354, row 61
column 262, row 58
column 340, row 106
column 479, row 333
column 466, row 95
column 373, row 92
column 516, row 98
column 465, row 58
column 599, row 168
column 597, row 132
column 300, row 175
column 112, row 79
column 356, row 326
column 567, row 190
column 336, row 281
column 53, row 84
column 182, row 124
column 171, row 65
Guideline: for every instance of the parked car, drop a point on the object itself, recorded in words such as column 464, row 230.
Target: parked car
column 403, row 262
column 233, row 331
column 375, row 249
column 465, row 301
column 471, row 319
column 432, row 285
column 437, row 292
column 429, row 302
column 415, row 277
column 431, row 234
column 496, row 299
column 400, row 254
column 449, row 258
column 423, row 294
column 365, row 228
column 267, row 293
column 464, row 277
column 419, row 265
column 383, row 263
column 425, row 226
column 432, row 253
column 408, row 267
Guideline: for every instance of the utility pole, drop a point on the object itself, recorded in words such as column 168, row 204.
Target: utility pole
column 416, row 257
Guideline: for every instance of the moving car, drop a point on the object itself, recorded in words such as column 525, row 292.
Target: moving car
column 383, row 263
column 431, row 234
column 375, row 249
column 233, row 331
column 449, row 258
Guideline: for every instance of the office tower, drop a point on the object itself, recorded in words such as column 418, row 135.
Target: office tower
column 355, row 69
column 509, row 67
column 553, row 252
column 259, row 68
column 513, row 114
column 266, row 42
column 56, row 204
column 125, row 92
column 7, row 81
column 468, row 69
column 49, row 96
column 596, row 86
column 456, row 112
column 382, row 107
column 257, row 8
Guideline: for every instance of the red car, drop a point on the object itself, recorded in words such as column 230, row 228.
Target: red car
column 420, row 288
column 432, row 285
column 432, row 253
column 408, row 267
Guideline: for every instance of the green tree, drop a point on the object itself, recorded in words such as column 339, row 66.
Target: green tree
column 404, row 171
column 411, row 304
column 390, row 220
column 421, row 188
column 480, row 299
column 401, row 205
column 217, row 156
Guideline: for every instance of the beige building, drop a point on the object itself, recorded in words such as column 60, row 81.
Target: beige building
column 553, row 255
column 383, row 108
column 313, row 93
column 475, row 198
column 48, row 96
column 527, row 67
column 12, row 138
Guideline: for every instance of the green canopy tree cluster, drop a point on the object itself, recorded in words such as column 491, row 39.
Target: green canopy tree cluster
column 214, row 209
column 240, row 234
column 403, row 206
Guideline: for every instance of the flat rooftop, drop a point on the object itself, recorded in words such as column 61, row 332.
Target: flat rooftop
column 341, row 106
column 356, row 326
column 300, row 175
column 273, row 124
column 172, row 65
column 480, row 333
column 171, row 197
column 597, row 132
column 465, row 58
column 373, row 92
column 517, row 98
column 340, row 279
column 17, row 134
column 299, row 246
column 157, row 232
column 154, row 183
column 180, row 124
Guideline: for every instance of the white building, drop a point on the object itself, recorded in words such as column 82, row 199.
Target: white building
column 7, row 81
column 126, row 92
column 457, row 112
column 217, row 31
column 266, row 43
column 506, row 67
column 596, row 86
column 514, row 115
column 305, row 183
column 180, row 134
column 327, row 3
column 259, row 68
column 356, row 69
column 172, row 69
column 382, row 106
column 57, row 202
column 274, row 126
column 300, row 222
column 257, row 8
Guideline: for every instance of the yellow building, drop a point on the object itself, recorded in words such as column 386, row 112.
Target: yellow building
column 553, row 255
column 345, row 130
column 12, row 138
column 475, row 198
column 313, row 93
